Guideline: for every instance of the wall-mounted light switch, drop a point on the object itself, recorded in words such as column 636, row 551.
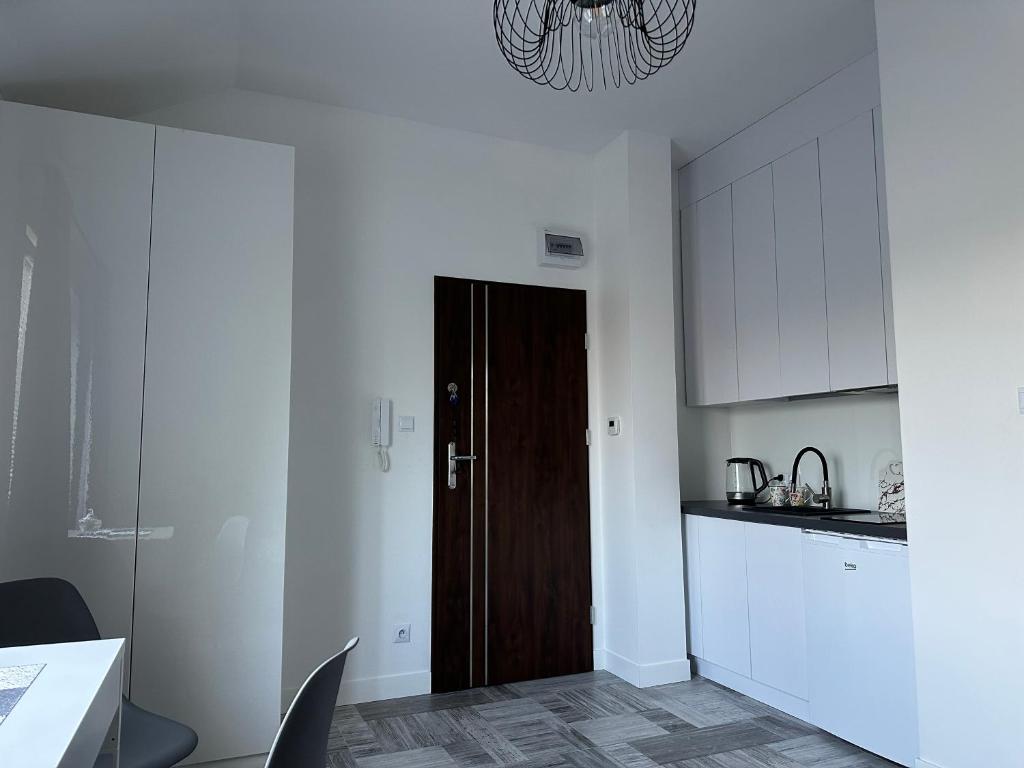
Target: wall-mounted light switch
column 614, row 425
column 406, row 423
column 1020, row 400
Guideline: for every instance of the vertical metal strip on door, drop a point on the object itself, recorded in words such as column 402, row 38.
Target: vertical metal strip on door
column 487, row 480
column 472, row 468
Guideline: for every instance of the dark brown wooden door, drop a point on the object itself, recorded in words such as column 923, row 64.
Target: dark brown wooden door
column 512, row 587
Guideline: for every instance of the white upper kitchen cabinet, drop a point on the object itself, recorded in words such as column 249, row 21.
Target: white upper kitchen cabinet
column 883, row 238
column 723, row 587
column 853, row 265
column 811, row 306
column 209, row 597
column 709, row 301
column 803, row 320
column 757, row 295
column 775, row 585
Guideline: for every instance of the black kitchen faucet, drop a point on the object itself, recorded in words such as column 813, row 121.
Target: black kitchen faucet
column 825, row 497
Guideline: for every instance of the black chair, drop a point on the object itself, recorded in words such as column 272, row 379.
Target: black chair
column 44, row 611
column 302, row 738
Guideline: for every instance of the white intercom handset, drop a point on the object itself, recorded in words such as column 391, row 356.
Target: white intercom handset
column 380, row 431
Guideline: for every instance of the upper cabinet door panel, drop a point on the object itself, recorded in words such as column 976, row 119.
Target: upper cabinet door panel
column 691, row 314
column 853, row 266
column 883, row 238
column 803, row 335
column 757, row 296
column 710, row 295
column 215, row 441
column 74, row 261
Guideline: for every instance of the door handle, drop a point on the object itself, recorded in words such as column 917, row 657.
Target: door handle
column 453, row 463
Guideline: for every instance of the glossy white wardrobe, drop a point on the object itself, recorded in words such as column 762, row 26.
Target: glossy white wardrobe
column 145, row 357
column 74, row 241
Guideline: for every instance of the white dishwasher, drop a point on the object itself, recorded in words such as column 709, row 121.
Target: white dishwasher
column 860, row 642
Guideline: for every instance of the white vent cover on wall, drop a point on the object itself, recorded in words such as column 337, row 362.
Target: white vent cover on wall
column 559, row 250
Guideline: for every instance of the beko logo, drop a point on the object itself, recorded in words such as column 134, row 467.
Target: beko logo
column 849, row 566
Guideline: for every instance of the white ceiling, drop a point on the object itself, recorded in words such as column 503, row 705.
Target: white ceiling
column 435, row 61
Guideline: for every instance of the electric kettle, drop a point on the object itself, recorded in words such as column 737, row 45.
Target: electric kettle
column 741, row 484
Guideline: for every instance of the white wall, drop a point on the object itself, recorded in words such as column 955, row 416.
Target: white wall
column 859, row 436
column 382, row 205
column 644, row 604
column 953, row 121
column 661, row 654
column 619, row 609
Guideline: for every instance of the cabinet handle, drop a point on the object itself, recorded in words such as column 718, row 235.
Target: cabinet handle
column 884, row 546
column 822, row 538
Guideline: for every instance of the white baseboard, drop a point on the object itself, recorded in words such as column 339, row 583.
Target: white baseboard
column 773, row 697
column 385, row 687
column 646, row 675
column 416, row 683
column 374, row 688
column 664, row 672
column 921, row 763
column 622, row 667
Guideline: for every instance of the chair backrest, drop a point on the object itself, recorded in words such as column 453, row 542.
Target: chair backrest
column 301, row 740
column 43, row 611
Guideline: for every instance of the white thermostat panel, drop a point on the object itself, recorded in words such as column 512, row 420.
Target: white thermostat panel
column 559, row 250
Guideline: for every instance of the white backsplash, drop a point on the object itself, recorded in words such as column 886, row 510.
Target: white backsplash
column 859, row 435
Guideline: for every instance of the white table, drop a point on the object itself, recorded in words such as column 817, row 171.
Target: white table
column 65, row 716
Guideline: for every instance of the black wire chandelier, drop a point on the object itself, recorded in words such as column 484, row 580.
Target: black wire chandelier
column 573, row 44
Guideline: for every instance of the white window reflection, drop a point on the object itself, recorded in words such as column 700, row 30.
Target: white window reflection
column 27, row 266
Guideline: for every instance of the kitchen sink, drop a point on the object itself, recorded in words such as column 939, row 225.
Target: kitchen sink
column 812, row 510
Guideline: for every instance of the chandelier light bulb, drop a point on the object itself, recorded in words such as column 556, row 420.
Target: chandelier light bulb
column 597, row 22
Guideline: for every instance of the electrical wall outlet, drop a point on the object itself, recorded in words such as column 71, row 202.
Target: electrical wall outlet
column 402, row 634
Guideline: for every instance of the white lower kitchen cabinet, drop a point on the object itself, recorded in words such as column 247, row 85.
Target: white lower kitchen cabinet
column 745, row 609
column 694, row 628
column 817, row 625
column 775, row 608
column 723, row 586
column 860, row 643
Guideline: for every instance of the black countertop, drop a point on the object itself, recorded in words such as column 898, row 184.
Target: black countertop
column 726, row 511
